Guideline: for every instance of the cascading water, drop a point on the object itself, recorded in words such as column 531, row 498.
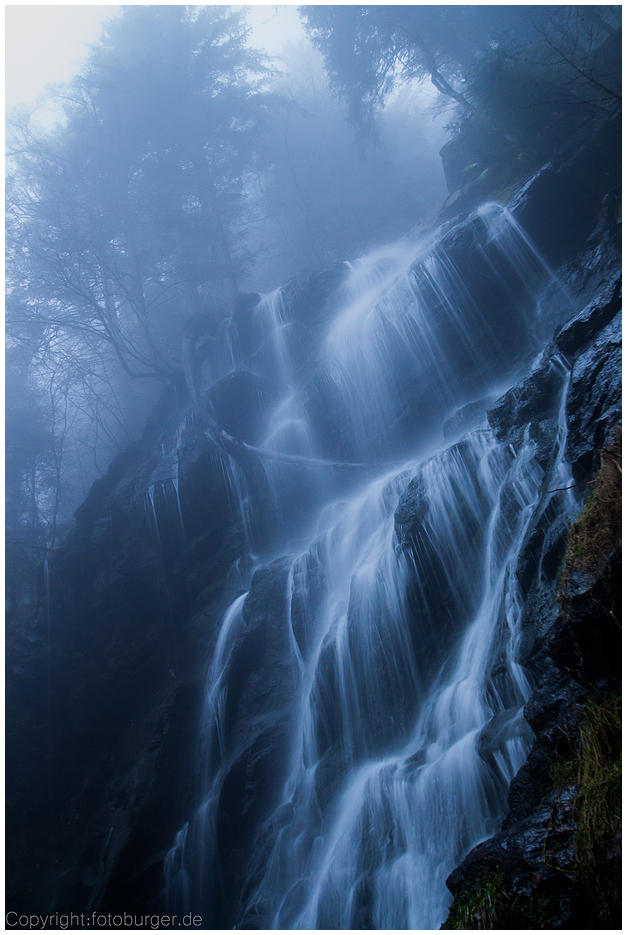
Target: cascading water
column 199, row 841
column 400, row 703
column 419, row 327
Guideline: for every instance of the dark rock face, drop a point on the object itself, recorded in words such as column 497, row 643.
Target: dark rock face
column 554, row 713
column 410, row 513
column 571, row 207
column 470, row 285
column 497, row 309
column 239, row 403
column 307, row 295
column 536, row 897
column 534, row 400
column 532, row 874
column 255, row 688
column 466, row 418
column 594, row 399
column 535, row 857
column 585, row 326
column 105, row 682
column 586, row 640
column 118, row 665
column 245, row 301
column 261, row 683
column 560, row 208
column 457, row 158
column 590, row 344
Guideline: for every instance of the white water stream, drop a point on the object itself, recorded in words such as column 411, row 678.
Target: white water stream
column 405, row 726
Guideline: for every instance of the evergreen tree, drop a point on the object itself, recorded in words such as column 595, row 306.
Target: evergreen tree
column 570, row 54
column 369, row 49
column 135, row 201
column 125, row 220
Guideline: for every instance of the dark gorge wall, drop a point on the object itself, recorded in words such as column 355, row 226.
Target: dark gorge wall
column 107, row 689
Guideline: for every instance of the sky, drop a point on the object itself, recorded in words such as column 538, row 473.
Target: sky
column 48, row 44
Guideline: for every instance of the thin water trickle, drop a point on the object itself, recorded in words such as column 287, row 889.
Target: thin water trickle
column 403, row 722
column 189, row 863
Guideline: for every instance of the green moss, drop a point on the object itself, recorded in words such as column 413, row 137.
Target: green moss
column 485, row 904
column 591, row 771
column 477, row 906
column 595, row 772
column 598, row 802
column 533, row 911
column 564, row 771
column 597, row 529
column 594, row 768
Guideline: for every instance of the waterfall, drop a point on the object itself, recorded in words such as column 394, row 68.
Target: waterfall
column 197, row 845
column 398, row 697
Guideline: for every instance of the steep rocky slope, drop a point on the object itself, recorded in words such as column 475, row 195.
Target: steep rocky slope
column 556, row 861
column 105, row 682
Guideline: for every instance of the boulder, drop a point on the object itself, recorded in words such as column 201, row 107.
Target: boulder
column 240, row 403
column 594, row 399
column 571, row 339
column 307, row 295
column 534, row 399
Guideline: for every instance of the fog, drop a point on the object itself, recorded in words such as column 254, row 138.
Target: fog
column 312, row 353
column 193, row 158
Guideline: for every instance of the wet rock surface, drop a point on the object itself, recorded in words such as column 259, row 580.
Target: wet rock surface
column 532, row 874
column 594, row 399
column 584, row 327
column 261, row 684
column 543, row 881
column 105, row 682
column 308, row 295
column 590, row 345
column 466, row 418
column 239, row 403
column 560, row 207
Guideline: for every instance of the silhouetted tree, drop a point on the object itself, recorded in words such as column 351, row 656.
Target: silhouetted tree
column 369, row 49
column 522, row 79
column 136, row 200
column 125, row 220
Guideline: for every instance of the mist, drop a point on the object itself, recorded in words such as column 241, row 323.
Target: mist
column 312, row 387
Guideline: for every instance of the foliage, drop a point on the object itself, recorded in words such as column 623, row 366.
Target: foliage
column 594, row 768
column 369, row 49
column 124, row 221
column 532, row 92
column 598, row 801
column 588, row 769
column 522, row 79
column 595, row 771
column 324, row 198
column 583, row 45
column 477, row 906
column 29, row 482
column 597, row 529
column 132, row 204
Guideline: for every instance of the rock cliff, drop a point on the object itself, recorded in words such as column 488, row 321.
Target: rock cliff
column 556, row 861
column 105, row 682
